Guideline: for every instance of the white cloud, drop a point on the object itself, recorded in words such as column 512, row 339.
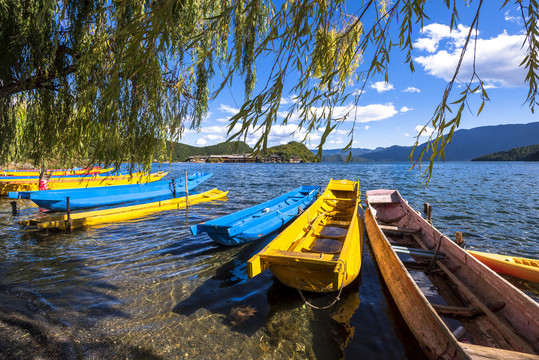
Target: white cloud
column 497, row 61
column 435, row 33
column 201, row 141
column 215, row 137
column 427, row 132
column 223, row 120
column 214, row 129
column 406, row 134
column 341, row 132
column 511, row 18
column 405, row 109
column 382, row 86
column 228, row 109
column 411, row 89
column 367, row 127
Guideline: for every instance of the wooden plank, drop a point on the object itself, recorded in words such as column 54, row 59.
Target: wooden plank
column 417, row 252
column 457, row 311
column 487, row 353
column 396, row 229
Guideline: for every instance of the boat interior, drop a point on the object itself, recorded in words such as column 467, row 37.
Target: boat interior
column 445, row 283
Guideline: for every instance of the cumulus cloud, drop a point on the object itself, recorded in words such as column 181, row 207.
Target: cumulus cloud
column 405, row 109
column 201, row 141
column 435, row 33
column 411, row 89
column 382, row 86
column 497, row 61
column 228, row 109
column 427, row 132
column 367, row 127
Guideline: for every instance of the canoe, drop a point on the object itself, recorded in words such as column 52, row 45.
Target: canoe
column 260, row 220
column 85, row 182
column 456, row 307
column 321, row 250
column 527, row 269
column 56, row 200
column 79, row 220
column 56, row 172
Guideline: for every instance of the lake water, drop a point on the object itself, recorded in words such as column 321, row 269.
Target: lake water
column 149, row 289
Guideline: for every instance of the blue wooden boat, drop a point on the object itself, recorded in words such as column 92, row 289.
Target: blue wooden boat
column 260, row 220
column 56, row 200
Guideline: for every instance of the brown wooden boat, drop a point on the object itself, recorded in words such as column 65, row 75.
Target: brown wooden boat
column 456, row 307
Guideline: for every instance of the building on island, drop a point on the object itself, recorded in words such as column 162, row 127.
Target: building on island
column 240, row 158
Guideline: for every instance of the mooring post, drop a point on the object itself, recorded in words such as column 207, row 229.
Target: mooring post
column 173, row 188
column 427, row 209
column 459, row 239
column 68, row 214
column 14, row 208
column 186, row 193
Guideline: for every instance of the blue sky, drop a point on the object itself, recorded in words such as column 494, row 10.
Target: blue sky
column 392, row 113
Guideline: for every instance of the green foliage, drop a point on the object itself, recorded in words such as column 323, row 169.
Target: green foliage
column 292, row 149
column 525, row 153
column 113, row 81
column 180, row 152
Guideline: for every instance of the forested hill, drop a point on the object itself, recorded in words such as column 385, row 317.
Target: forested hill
column 291, row 149
column 180, row 152
column 525, row 153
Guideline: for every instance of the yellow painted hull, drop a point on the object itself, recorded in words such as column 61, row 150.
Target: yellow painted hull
column 527, row 269
column 321, row 250
column 56, row 172
column 86, row 182
column 89, row 218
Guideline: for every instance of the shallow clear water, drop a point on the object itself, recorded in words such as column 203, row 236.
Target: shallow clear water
column 148, row 288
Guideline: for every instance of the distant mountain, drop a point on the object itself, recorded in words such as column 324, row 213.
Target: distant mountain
column 526, row 153
column 340, row 157
column 180, row 152
column 355, row 152
column 467, row 144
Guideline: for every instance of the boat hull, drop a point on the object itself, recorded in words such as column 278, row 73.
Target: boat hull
column 78, row 183
column 113, row 195
column 260, row 220
column 321, row 250
column 459, row 288
column 527, row 269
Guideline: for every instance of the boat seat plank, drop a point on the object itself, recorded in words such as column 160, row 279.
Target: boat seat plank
column 417, row 252
column 457, row 311
column 326, row 246
column 396, row 229
column 340, row 199
column 384, row 199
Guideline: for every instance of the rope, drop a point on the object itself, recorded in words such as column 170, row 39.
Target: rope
column 333, row 302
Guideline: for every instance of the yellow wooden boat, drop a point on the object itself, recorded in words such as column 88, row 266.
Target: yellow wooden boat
column 527, row 269
column 56, row 172
column 84, row 182
column 119, row 214
column 321, row 250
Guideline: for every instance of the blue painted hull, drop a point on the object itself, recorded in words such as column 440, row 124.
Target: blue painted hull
column 55, row 200
column 260, row 220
